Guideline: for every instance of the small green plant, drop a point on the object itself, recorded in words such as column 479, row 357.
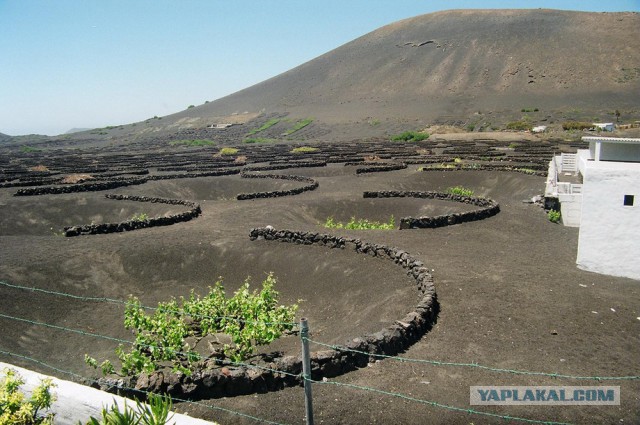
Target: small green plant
column 228, row 151
column 154, row 412
column 460, row 190
column 15, row 408
column 553, row 216
column 410, row 136
column 298, row 126
column 529, row 171
column 529, row 110
column 264, row 126
column 304, row 149
column 360, row 224
column 140, row 217
column 192, row 142
column 191, row 106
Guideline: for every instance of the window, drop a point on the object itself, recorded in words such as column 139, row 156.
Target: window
column 628, row 200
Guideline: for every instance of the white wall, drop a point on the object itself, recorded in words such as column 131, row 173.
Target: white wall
column 570, row 209
column 609, row 239
column 77, row 402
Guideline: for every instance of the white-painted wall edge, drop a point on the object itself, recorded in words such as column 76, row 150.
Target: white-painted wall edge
column 77, row 402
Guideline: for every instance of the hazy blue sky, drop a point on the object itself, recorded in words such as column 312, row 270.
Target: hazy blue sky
column 90, row 63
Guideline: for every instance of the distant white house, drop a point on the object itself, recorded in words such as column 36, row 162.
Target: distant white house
column 604, row 126
column 539, row 129
column 599, row 191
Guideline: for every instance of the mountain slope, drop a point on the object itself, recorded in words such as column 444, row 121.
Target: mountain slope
column 462, row 66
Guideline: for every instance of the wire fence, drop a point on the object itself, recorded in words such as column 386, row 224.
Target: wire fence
column 305, row 378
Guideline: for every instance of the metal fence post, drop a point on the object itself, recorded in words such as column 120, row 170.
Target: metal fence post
column 306, row 370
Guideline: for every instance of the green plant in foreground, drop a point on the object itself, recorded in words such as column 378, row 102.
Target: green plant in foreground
column 360, row 224
column 154, row 412
column 410, row 136
column 249, row 318
column 16, row 409
column 554, row 216
column 460, row 190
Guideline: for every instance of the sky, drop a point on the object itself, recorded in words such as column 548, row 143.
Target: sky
column 93, row 63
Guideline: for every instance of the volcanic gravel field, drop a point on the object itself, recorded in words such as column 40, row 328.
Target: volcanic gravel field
column 509, row 295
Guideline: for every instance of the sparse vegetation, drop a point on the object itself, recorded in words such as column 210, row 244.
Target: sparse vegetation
column 304, row 149
column 29, row 149
column 259, row 140
column 15, row 408
column 156, row 411
column 460, row 190
column 191, row 106
column 521, row 125
column 553, row 216
column 140, row 217
column 576, row 125
column 410, row 136
column 192, row 142
column 360, row 224
column 264, row 126
column 529, row 110
column 298, row 126
column 249, row 318
column 228, row 151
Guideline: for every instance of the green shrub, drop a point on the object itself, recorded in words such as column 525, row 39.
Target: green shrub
column 29, row 149
column 360, row 224
column 529, row 110
column 249, row 318
column 410, row 136
column 576, row 125
column 191, row 106
column 519, row 125
column 304, row 149
column 140, row 217
column 228, row 151
column 460, row 190
column 155, row 412
column 14, row 406
column 553, row 216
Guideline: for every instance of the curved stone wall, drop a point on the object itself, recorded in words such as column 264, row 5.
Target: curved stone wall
column 74, row 188
column 380, row 168
column 488, row 208
column 220, row 378
column 125, row 226
column 313, row 184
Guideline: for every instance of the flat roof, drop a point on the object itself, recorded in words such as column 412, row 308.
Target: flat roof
column 611, row 139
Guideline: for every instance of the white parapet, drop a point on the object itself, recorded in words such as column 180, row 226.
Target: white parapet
column 77, row 403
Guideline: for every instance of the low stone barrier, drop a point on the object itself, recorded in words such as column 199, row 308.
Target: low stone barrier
column 75, row 188
column 380, row 168
column 488, row 208
column 533, row 170
column 125, row 226
column 313, row 184
column 219, row 378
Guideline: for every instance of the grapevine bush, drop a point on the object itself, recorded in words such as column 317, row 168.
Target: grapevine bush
column 250, row 318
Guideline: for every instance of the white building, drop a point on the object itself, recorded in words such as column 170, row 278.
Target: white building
column 599, row 190
column 604, row 126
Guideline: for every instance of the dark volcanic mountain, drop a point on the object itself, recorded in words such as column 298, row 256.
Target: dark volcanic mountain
column 462, row 66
